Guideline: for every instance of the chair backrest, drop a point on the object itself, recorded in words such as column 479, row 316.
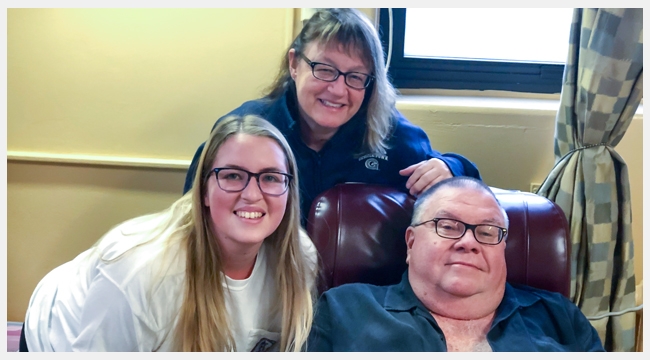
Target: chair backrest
column 359, row 230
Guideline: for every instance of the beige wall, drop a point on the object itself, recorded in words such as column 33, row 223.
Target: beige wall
column 112, row 104
column 132, row 82
column 106, row 107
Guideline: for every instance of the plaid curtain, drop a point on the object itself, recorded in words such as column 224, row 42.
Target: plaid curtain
column 602, row 88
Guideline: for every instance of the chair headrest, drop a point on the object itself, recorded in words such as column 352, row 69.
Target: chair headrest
column 359, row 232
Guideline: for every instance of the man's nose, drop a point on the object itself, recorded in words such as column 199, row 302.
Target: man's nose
column 467, row 242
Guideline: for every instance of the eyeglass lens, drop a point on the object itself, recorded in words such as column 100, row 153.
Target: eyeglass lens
column 454, row 229
column 329, row 73
column 236, row 180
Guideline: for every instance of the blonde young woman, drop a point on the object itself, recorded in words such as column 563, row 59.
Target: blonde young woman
column 225, row 268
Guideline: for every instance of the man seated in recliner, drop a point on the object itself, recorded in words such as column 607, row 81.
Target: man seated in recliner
column 454, row 295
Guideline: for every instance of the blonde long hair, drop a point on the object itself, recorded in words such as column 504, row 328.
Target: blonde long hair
column 353, row 31
column 202, row 321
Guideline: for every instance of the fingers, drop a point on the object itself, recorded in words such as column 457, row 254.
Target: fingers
column 409, row 170
column 424, row 182
column 414, row 172
column 417, row 171
column 426, row 174
column 435, row 181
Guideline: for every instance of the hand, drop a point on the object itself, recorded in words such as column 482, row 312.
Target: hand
column 425, row 174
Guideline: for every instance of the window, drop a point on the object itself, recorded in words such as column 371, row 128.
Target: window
column 477, row 49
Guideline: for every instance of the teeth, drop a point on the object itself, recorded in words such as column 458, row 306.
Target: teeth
column 327, row 103
column 249, row 215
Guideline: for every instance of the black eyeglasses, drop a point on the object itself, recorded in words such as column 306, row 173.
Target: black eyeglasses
column 329, row 73
column 455, row 229
column 234, row 180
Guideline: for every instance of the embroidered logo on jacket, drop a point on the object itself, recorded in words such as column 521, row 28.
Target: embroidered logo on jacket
column 371, row 160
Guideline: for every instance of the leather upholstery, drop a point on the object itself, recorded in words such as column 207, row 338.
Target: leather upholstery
column 359, row 230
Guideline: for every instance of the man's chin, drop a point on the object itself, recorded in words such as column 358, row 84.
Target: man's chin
column 462, row 288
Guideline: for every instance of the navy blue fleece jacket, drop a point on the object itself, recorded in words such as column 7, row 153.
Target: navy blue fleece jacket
column 342, row 159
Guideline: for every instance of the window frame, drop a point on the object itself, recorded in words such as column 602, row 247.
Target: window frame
column 420, row 73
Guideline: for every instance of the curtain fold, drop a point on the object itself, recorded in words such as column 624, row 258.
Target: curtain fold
column 602, row 88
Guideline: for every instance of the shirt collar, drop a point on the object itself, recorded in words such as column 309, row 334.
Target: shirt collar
column 400, row 297
column 513, row 299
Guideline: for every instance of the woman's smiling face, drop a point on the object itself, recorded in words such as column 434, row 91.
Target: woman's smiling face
column 326, row 106
column 245, row 218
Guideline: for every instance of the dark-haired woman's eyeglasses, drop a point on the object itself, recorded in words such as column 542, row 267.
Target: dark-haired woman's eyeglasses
column 329, row 73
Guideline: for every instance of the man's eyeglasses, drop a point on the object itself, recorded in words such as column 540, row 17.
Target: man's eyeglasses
column 455, row 229
column 234, row 180
column 329, row 73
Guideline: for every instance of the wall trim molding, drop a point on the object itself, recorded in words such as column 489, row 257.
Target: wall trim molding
column 97, row 160
column 468, row 103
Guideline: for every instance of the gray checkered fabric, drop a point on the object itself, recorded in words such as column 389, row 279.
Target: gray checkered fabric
column 602, row 88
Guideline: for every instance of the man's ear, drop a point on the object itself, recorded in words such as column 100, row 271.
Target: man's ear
column 410, row 238
column 293, row 63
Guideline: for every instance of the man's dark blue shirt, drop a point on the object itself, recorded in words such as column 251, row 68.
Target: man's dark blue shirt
column 369, row 318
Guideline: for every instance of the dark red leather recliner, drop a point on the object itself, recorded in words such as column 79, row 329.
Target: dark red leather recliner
column 359, row 230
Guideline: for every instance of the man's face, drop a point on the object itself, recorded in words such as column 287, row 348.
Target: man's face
column 457, row 267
